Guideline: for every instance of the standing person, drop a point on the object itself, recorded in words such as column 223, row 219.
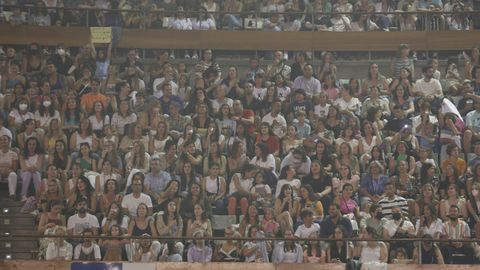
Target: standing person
column 402, row 60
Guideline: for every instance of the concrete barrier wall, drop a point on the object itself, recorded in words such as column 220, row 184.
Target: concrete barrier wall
column 248, row 40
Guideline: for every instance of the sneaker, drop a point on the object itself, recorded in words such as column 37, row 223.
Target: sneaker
column 187, row 56
column 195, row 56
column 172, row 56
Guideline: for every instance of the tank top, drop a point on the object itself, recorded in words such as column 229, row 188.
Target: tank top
column 81, row 140
column 428, row 257
column 31, row 160
column 59, row 163
column 370, row 254
column 367, row 148
column 139, row 232
column 212, row 186
column 87, row 256
column 336, row 254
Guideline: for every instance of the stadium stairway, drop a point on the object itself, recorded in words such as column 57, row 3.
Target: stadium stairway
column 13, row 222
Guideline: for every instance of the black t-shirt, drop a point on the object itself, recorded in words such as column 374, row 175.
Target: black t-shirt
column 395, row 125
column 318, row 185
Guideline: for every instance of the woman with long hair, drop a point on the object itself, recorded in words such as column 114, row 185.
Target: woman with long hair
column 339, row 251
column 286, row 208
column 375, row 79
column 157, row 142
column 45, row 113
column 72, row 114
column 137, row 158
column 110, row 193
column 171, row 192
column 106, row 174
column 429, row 223
column 251, row 219
column 85, row 158
column 346, row 157
column 83, row 190
column 195, row 196
column 53, row 135
column 113, row 216
column 123, row 117
column 60, row 157
column 199, row 221
column 142, row 224
column 99, row 118
column 84, row 134
column 427, row 196
column 237, row 158
column 453, row 198
column 310, row 200
column 402, row 98
column 215, row 187
column 31, row 163
column 320, row 182
column 239, row 189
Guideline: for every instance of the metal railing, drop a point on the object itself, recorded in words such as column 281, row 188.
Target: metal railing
column 417, row 241
column 254, row 20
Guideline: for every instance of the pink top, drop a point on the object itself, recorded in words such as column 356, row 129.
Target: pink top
column 347, row 206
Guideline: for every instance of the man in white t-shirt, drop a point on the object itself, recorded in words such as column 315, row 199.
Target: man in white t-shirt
column 131, row 201
column 308, row 229
column 276, row 120
column 82, row 220
column 428, row 86
column 307, row 82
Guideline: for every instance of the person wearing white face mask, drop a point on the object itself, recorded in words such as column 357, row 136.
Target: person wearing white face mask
column 18, row 115
column 62, row 60
column 45, row 114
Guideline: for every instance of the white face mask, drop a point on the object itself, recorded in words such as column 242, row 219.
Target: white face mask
column 47, row 103
column 61, row 52
column 23, row 106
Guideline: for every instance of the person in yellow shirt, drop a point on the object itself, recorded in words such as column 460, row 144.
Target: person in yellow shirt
column 453, row 153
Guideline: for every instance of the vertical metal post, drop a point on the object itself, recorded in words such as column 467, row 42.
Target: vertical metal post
column 87, row 18
column 419, row 252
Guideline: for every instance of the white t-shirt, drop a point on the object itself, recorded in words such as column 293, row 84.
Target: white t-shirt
column 159, row 93
column 435, row 227
column 431, row 88
column 279, row 128
column 79, row 224
column 45, row 120
column 20, row 118
column 321, row 111
column 269, row 163
column 353, row 105
column 259, row 93
column 98, row 125
column 304, row 232
column 246, row 184
column 392, row 227
column 131, row 203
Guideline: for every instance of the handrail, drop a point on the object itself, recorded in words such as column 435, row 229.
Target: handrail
column 396, row 12
column 217, row 238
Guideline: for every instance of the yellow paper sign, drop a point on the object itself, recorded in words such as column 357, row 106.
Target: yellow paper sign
column 101, row 34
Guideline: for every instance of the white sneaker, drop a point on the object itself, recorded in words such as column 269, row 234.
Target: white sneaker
column 187, row 56
column 172, row 56
column 195, row 56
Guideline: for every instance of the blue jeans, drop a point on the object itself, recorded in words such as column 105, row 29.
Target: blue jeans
column 232, row 21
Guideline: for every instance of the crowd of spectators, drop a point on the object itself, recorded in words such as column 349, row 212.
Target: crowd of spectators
column 280, row 150
column 267, row 15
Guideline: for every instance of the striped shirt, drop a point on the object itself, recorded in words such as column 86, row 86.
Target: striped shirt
column 388, row 205
column 458, row 231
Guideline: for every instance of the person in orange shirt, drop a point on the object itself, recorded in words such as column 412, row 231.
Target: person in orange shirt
column 453, row 153
column 89, row 99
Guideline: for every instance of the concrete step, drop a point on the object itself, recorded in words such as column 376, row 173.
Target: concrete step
column 17, row 220
column 20, row 255
column 18, row 245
